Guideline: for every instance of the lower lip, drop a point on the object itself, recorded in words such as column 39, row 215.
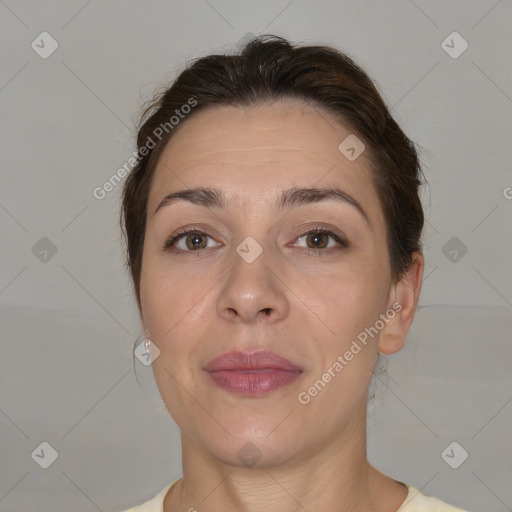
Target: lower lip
column 255, row 382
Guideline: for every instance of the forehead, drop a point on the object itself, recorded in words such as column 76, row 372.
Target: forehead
column 251, row 150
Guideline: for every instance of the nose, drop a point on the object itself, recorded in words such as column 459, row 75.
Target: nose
column 253, row 292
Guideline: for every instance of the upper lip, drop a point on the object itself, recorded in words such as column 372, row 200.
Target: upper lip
column 240, row 360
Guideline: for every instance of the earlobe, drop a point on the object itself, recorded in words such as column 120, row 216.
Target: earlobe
column 404, row 297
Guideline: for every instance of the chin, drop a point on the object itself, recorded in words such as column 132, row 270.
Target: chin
column 253, row 450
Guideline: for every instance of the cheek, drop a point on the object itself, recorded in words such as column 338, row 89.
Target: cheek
column 178, row 311
column 352, row 298
column 169, row 309
column 166, row 298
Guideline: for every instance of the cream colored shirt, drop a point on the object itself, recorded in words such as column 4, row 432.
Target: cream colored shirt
column 415, row 501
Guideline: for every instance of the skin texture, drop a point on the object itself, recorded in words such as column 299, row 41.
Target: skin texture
column 306, row 307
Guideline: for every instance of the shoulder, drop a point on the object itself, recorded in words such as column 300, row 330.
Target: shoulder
column 155, row 504
column 418, row 502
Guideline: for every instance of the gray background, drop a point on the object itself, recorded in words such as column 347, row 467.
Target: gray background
column 68, row 320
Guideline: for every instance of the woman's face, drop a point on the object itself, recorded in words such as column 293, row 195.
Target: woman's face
column 253, row 277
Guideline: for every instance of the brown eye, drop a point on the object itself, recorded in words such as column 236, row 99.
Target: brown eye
column 318, row 240
column 187, row 241
column 195, row 241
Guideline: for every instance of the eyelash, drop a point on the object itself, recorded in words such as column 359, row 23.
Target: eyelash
column 169, row 245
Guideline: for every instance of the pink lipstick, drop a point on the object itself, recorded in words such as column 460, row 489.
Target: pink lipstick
column 252, row 373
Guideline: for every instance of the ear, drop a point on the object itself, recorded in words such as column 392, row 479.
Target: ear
column 403, row 299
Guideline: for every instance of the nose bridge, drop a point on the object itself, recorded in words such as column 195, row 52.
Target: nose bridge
column 251, row 262
column 251, row 286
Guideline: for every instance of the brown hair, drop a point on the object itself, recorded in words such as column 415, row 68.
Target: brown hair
column 270, row 68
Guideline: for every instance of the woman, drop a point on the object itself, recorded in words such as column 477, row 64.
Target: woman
column 273, row 230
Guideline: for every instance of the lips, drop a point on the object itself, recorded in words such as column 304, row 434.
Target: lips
column 250, row 361
column 252, row 373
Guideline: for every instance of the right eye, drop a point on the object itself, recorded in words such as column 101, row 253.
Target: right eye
column 190, row 239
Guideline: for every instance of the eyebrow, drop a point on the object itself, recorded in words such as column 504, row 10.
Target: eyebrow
column 213, row 197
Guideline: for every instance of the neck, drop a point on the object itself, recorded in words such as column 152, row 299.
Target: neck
column 334, row 475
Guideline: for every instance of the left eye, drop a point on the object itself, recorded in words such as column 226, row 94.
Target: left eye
column 319, row 239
